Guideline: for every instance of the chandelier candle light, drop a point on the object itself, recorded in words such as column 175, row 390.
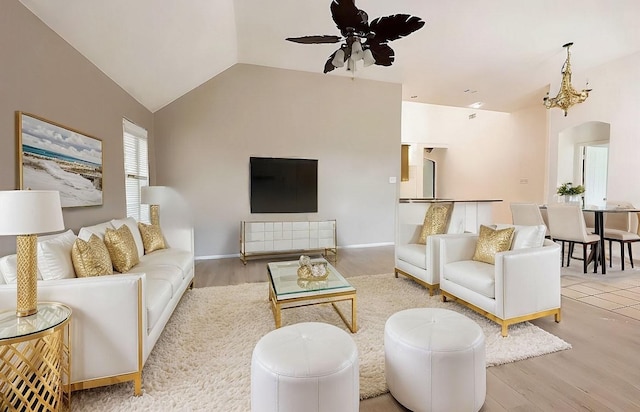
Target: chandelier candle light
column 26, row 213
column 567, row 96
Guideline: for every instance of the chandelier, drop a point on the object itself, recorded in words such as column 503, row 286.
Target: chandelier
column 567, row 96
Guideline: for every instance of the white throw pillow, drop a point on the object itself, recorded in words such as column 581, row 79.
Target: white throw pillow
column 133, row 227
column 526, row 236
column 98, row 230
column 9, row 269
column 54, row 256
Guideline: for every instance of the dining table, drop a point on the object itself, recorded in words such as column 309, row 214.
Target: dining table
column 599, row 212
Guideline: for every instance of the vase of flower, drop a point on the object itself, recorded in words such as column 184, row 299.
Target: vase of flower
column 571, row 193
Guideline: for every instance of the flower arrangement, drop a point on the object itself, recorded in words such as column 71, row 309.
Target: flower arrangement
column 568, row 189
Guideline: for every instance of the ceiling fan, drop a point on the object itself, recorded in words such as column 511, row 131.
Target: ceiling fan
column 362, row 40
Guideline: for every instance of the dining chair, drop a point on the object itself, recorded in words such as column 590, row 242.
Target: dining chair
column 567, row 224
column 528, row 214
column 618, row 227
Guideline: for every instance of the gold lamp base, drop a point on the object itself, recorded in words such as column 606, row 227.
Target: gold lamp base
column 154, row 214
column 27, row 281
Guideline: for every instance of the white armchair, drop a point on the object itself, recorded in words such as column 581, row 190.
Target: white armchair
column 523, row 284
column 416, row 255
column 414, row 260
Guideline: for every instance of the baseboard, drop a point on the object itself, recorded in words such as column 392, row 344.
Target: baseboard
column 237, row 255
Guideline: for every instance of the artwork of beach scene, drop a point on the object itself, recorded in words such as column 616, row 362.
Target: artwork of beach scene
column 56, row 158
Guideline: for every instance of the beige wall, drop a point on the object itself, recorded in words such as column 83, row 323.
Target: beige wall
column 42, row 74
column 204, row 141
column 487, row 157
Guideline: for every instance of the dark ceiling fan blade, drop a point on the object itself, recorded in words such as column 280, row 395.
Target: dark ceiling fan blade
column 315, row 39
column 346, row 14
column 394, row 27
column 382, row 53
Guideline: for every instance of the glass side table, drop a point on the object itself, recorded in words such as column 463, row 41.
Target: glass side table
column 35, row 359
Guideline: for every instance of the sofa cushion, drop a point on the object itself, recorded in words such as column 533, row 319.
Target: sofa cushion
column 473, row 275
column 158, row 295
column 171, row 274
column 133, row 227
column 91, row 258
column 122, row 248
column 436, row 220
column 54, row 256
column 526, row 236
column 98, row 230
column 413, row 253
column 9, row 269
column 152, row 237
column 173, row 257
column 491, row 241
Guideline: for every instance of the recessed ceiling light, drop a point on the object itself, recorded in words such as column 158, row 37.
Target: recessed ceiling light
column 476, row 105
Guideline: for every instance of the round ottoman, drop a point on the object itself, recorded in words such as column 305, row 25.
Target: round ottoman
column 434, row 360
column 311, row 367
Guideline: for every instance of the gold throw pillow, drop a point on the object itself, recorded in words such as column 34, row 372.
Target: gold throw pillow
column 122, row 248
column 492, row 241
column 152, row 238
column 436, row 221
column 91, row 258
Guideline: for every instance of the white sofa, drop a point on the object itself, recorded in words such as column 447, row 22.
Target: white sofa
column 117, row 319
column 523, row 284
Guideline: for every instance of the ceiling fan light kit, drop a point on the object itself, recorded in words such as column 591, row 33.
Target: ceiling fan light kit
column 360, row 39
column 567, row 96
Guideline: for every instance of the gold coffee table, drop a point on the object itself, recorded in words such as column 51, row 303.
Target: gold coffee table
column 287, row 291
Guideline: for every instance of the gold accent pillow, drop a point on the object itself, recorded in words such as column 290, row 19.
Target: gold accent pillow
column 492, row 241
column 436, row 221
column 152, row 238
column 122, row 248
column 91, row 258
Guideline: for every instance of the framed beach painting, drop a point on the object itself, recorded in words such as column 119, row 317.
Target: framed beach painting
column 55, row 157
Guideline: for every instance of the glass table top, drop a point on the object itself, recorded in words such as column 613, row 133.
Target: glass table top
column 49, row 315
column 286, row 284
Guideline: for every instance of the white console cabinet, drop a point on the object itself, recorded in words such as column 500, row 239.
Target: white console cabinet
column 262, row 238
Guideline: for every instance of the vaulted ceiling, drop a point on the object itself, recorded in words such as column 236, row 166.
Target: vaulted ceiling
column 504, row 53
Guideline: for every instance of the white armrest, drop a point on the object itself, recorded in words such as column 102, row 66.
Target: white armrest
column 104, row 321
column 529, row 280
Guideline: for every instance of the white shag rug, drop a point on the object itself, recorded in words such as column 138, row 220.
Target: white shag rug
column 202, row 361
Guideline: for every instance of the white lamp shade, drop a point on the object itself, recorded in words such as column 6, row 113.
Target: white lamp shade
column 152, row 195
column 356, row 50
column 338, row 59
column 368, row 58
column 28, row 212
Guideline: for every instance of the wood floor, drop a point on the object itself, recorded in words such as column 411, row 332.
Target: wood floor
column 600, row 373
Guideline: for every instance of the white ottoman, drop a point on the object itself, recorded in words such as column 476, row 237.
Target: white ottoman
column 310, row 367
column 435, row 360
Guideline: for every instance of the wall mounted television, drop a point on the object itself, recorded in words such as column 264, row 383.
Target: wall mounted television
column 280, row 185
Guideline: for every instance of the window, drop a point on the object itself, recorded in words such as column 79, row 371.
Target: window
column 136, row 169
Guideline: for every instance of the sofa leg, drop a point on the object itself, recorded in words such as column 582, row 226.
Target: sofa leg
column 396, row 273
column 558, row 317
column 505, row 330
column 444, row 298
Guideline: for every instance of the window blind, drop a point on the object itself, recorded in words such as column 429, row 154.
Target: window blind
column 136, row 169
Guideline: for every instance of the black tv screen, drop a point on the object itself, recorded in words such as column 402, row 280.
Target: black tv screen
column 283, row 185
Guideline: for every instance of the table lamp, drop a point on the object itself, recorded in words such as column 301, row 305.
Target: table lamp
column 25, row 213
column 153, row 196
